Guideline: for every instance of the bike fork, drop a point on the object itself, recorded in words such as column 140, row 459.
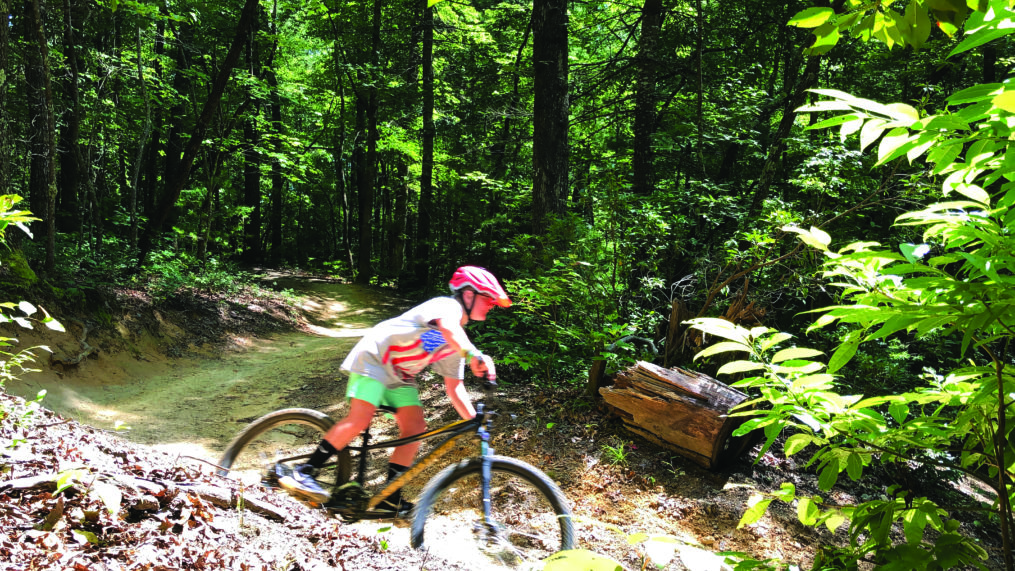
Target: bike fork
column 487, row 475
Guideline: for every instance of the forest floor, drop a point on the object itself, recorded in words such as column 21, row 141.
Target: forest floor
column 187, row 377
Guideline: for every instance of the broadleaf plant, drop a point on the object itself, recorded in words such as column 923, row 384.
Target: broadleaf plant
column 956, row 282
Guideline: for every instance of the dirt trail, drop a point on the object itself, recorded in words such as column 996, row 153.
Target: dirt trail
column 195, row 405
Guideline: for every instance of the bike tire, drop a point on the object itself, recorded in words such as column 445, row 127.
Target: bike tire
column 284, row 434
column 531, row 511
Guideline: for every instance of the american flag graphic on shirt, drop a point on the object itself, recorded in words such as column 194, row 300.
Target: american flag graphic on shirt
column 409, row 360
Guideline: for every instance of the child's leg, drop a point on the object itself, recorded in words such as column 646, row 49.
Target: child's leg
column 410, row 423
column 344, row 431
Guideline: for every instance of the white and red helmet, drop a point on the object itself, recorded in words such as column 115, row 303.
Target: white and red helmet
column 482, row 281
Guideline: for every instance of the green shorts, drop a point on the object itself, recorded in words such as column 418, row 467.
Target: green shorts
column 374, row 392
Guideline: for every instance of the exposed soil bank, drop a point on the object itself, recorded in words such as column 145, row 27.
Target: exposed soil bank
column 197, row 402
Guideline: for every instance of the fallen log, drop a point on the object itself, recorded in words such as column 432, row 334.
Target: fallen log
column 684, row 411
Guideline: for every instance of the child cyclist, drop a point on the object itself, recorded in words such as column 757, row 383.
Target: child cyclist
column 382, row 371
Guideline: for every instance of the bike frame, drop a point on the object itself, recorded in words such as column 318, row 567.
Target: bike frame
column 477, row 426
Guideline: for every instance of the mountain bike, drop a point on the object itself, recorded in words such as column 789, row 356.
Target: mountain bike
column 484, row 509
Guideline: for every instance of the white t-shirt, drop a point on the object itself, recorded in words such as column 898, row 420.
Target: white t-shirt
column 395, row 351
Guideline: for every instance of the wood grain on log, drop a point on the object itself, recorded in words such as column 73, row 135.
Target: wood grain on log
column 684, row 411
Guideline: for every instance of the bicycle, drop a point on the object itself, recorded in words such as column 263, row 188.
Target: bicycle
column 514, row 512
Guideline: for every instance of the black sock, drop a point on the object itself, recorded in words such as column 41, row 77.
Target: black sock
column 394, row 471
column 324, row 451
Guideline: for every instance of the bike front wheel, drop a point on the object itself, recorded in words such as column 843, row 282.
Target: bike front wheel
column 279, row 440
column 529, row 516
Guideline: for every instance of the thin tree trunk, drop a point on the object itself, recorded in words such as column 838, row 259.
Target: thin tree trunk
column 366, row 186
column 145, row 134
column 426, row 210
column 277, row 182
column 701, row 88
column 251, row 191
column 46, row 128
column 72, row 164
column 6, row 148
column 550, row 112
column 643, row 157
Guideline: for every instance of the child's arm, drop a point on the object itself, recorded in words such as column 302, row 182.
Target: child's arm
column 454, row 335
column 459, row 397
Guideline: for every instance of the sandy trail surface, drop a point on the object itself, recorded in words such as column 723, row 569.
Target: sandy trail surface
column 195, row 404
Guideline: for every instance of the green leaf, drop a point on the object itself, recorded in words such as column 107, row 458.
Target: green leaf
column 973, row 192
column 825, row 39
column 85, row 536
column 947, row 122
column 786, row 492
column 975, row 93
column 795, row 353
column 944, row 157
column 845, row 351
column 837, row 120
column 919, row 22
column 774, row 340
column 899, row 411
column 722, row 347
column 894, row 144
column 914, row 521
column 1005, row 100
column 68, row 478
column 829, row 475
column 812, row 382
column 814, row 237
column 834, row 521
column 636, row 538
column 807, row 512
column 754, row 513
column 739, row 367
column 571, row 559
column 811, row 17
column 980, row 37
column 871, row 131
column 796, row 443
column 854, row 466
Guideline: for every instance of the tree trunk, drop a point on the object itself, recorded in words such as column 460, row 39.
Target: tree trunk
column 251, row 192
column 145, row 134
column 550, row 112
column 366, row 269
column 43, row 132
column 642, row 179
column 6, row 148
column 173, row 190
column 426, row 211
column 72, row 163
column 277, row 183
column 364, row 191
column 396, row 238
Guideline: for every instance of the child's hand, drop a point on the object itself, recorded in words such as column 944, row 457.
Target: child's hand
column 482, row 366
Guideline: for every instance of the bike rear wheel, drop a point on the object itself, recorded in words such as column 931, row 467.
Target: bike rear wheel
column 283, row 438
column 531, row 516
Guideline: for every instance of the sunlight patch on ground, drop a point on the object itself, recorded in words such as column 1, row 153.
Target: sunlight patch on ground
column 338, row 333
column 190, row 454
